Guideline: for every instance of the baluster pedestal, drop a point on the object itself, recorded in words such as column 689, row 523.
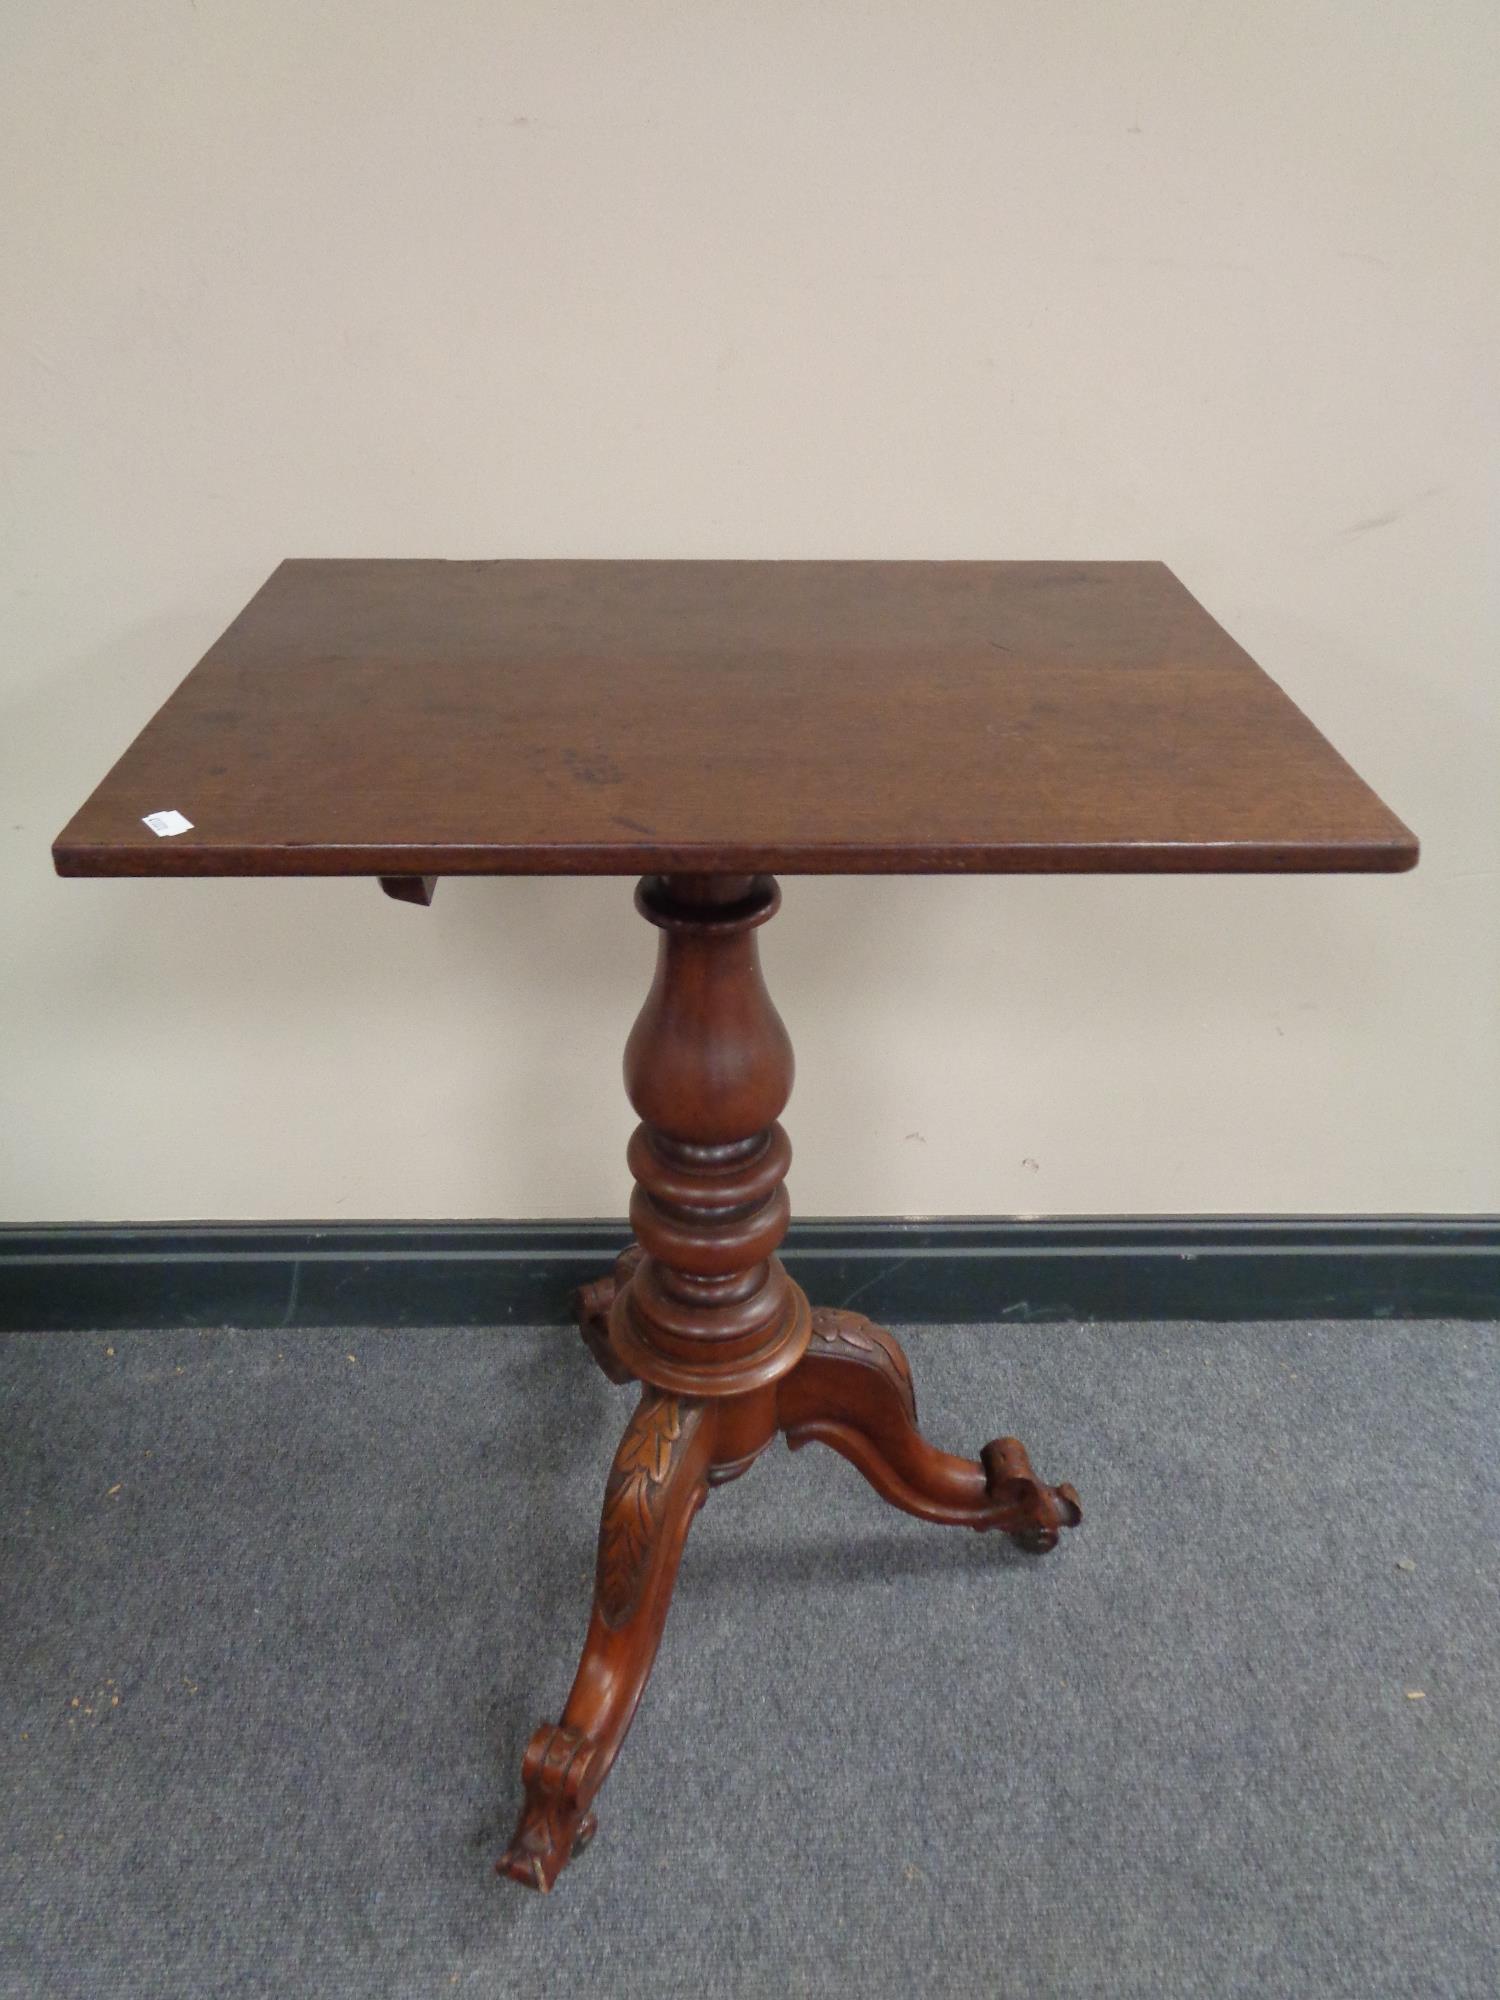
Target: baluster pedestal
column 700, row 1311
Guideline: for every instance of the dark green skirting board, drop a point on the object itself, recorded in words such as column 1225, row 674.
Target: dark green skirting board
column 906, row 1272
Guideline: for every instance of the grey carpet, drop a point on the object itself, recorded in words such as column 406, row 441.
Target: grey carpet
column 279, row 1612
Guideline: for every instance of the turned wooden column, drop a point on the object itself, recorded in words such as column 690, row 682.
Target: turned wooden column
column 710, row 1310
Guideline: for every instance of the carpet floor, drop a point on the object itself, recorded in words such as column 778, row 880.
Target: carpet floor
column 278, row 1613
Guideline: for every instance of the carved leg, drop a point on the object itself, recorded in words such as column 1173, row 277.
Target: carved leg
column 591, row 1304
column 853, row 1390
column 657, row 1484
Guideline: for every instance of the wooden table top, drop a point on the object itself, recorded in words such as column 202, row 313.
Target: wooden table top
column 432, row 718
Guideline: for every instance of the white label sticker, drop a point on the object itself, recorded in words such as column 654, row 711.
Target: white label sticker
column 167, row 822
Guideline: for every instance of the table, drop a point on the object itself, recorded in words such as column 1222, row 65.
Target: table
column 707, row 726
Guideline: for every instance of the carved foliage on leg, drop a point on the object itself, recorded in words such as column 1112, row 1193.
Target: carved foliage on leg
column 631, row 1501
column 657, row 1484
column 854, row 1337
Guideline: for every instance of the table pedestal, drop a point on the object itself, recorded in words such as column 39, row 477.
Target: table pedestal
column 700, row 1311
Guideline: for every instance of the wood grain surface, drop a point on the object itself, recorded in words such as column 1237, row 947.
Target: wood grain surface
column 407, row 718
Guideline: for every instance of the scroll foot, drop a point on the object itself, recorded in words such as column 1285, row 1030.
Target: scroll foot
column 552, row 1829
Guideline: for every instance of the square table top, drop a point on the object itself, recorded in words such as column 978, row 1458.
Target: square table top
column 370, row 717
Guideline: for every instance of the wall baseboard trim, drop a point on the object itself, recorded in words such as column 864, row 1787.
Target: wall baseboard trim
column 298, row 1274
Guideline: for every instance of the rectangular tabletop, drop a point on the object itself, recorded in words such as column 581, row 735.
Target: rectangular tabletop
column 434, row 718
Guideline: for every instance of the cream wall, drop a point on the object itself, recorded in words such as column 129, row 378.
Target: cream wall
column 1209, row 282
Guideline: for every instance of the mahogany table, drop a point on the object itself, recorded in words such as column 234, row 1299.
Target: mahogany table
column 706, row 725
